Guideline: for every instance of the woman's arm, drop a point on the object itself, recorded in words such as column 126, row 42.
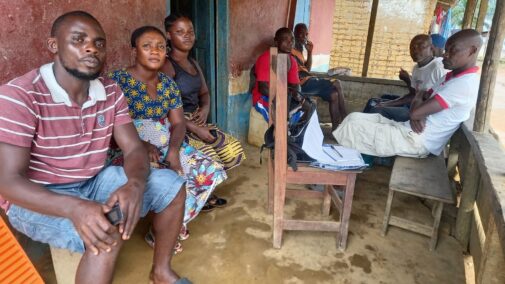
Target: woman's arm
column 203, row 98
column 177, row 133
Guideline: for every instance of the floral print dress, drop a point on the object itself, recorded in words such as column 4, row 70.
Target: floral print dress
column 202, row 173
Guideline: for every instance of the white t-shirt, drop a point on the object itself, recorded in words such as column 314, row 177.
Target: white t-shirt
column 423, row 78
column 458, row 96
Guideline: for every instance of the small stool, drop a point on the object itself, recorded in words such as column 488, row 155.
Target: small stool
column 425, row 178
column 257, row 128
column 65, row 265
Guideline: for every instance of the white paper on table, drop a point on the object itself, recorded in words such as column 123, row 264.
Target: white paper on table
column 327, row 154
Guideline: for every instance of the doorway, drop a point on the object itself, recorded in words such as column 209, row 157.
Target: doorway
column 210, row 19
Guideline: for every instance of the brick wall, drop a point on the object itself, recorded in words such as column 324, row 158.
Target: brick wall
column 395, row 26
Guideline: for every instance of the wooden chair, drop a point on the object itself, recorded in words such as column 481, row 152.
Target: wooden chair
column 279, row 174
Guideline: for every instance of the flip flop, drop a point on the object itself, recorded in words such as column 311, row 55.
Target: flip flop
column 207, row 207
column 149, row 238
column 216, row 201
column 184, row 233
column 183, row 280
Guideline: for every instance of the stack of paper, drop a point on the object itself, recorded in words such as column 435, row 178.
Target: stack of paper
column 332, row 157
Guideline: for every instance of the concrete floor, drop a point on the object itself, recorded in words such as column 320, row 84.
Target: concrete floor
column 234, row 244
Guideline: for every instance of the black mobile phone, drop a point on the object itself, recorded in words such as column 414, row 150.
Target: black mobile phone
column 115, row 216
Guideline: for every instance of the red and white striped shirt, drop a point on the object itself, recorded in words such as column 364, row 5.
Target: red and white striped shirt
column 68, row 143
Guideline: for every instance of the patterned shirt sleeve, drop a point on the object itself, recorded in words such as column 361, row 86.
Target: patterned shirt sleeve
column 175, row 95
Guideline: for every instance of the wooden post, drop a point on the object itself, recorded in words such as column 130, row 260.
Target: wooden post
column 369, row 38
column 281, row 151
column 490, row 267
column 271, row 95
column 489, row 69
column 290, row 20
column 482, row 15
column 465, row 211
column 469, row 12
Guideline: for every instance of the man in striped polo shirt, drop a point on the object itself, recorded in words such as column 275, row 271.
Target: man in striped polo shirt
column 56, row 123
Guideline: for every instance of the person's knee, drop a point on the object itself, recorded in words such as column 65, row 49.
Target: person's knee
column 180, row 198
column 337, row 85
column 334, row 96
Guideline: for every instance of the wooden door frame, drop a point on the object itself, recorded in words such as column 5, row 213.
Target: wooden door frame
column 219, row 111
column 222, row 48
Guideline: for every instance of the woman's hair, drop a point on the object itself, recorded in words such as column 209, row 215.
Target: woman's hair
column 142, row 30
column 170, row 20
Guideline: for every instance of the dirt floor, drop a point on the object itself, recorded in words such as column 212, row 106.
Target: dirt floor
column 234, row 244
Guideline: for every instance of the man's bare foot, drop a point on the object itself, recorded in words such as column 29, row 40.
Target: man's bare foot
column 162, row 276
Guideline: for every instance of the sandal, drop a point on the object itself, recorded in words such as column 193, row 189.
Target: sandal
column 184, row 233
column 207, row 207
column 149, row 238
column 216, row 201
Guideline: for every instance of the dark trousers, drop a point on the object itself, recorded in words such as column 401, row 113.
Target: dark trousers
column 397, row 113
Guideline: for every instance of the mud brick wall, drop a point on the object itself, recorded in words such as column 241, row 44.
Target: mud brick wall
column 396, row 24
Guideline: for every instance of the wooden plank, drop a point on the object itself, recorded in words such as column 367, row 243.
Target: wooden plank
column 439, row 207
column 482, row 15
column 318, row 176
column 489, row 155
column 304, row 193
column 387, row 213
column 419, row 228
column 469, row 12
column 489, row 69
column 426, row 178
column 326, row 200
column 369, row 38
column 345, row 214
column 467, row 202
column 305, row 225
column 280, row 83
column 336, row 198
column 492, row 260
column 272, row 85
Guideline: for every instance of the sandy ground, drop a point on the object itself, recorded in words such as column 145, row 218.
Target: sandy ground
column 498, row 112
column 234, row 244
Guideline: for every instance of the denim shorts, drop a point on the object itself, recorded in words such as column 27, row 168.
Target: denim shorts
column 162, row 187
column 318, row 87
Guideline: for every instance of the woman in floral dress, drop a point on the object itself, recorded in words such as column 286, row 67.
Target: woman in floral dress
column 156, row 108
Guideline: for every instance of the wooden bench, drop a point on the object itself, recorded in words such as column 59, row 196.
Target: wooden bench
column 425, row 178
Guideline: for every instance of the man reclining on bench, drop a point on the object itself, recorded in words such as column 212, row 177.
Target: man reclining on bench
column 56, row 124
column 432, row 122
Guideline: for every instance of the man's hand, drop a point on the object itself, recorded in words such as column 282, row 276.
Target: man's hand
column 404, row 75
column 152, row 151
column 203, row 133
column 130, row 197
column 418, row 125
column 93, row 227
column 201, row 115
column 309, row 46
column 174, row 162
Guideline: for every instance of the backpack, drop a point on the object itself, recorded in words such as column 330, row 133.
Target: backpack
column 299, row 114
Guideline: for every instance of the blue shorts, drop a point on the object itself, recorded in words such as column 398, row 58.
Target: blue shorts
column 318, row 87
column 162, row 187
